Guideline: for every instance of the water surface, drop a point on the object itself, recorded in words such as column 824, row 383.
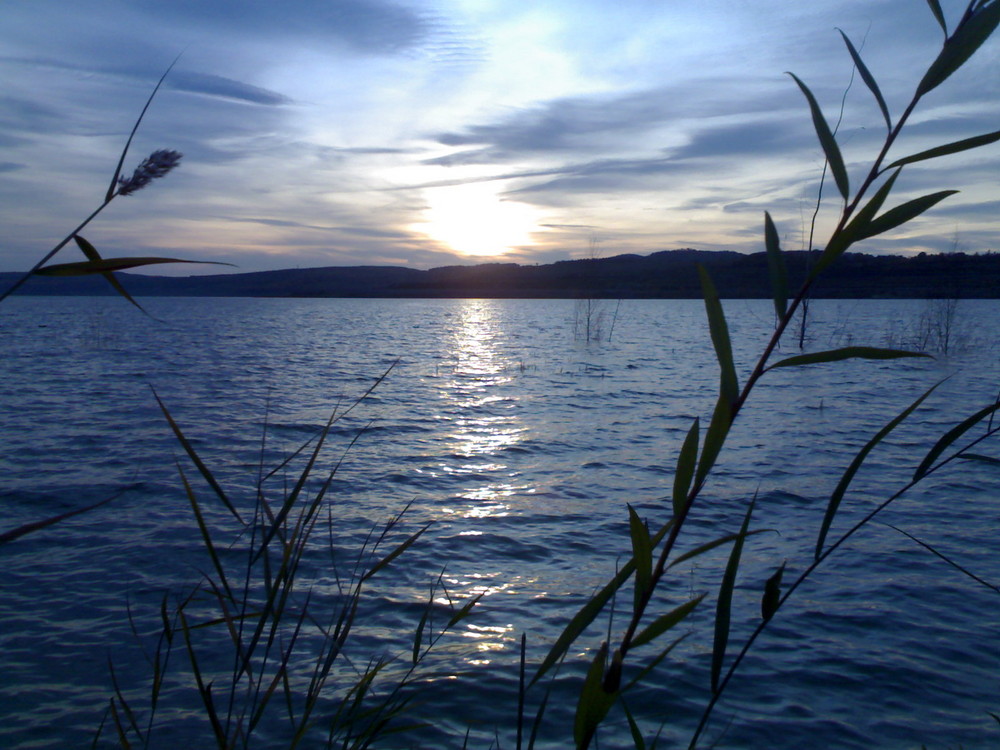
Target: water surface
column 522, row 443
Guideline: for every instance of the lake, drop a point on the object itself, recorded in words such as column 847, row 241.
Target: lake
column 523, row 443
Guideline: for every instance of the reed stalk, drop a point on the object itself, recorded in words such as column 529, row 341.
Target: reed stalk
column 859, row 219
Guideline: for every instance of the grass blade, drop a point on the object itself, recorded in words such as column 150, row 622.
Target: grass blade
column 106, row 265
column 772, row 594
column 637, row 740
column 845, row 480
column 205, row 534
column 465, row 610
column 949, row 148
column 728, row 386
column 642, row 553
column 196, row 459
column 93, row 257
column 826, row 140
column 776, row 267
column 10, row 536
column 857, row 229
column 980, row 457
column 715, row 437
column 701, row 549
column 590, row 610
column 686, row 462
column 903, row 213
column 847, row 352
column 951, row 436
column 724, row 605
column 520, row 689
column 395, row 553
column 948, row 560
column 662, row 624
column 129, row 714
column 869, row 80
column 594, row 702
column 960, row 46
column 652, row 663
column 935, row 7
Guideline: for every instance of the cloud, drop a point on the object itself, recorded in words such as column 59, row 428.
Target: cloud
column 227, row 88
column 366, row 26
column 608, row 120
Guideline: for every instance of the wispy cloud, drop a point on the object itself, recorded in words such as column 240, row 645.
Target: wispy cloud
column 320, row 132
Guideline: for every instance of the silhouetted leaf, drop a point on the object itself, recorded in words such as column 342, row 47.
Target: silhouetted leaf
column 104, row 265
column 464, row 611
column 960, row 46
column 827, row 141
column 594, row 702
column 772, row 594
column 715, row 437
column 724, row 605
column 980, row 457
column 27, row 528
column 845, row 480
column 948, row 560
column 901, row 214
column 847, row 352
column 869, row 80
column 728, row 386
column 662, row 624
column 418, row 634
column 686, row 462
column 193, row 455
column 94, row 258
column 590, row 610
column 637, row 740
column 701, row 549
column 856, row 229
column 776, row 267
column 951, row 436
column 642, row 553
column 935, row 7
column 395, row 553
column 949, row 148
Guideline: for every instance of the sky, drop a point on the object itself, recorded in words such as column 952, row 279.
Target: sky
column 438, row 132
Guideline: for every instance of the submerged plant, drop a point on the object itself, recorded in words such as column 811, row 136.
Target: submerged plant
column 656, row 545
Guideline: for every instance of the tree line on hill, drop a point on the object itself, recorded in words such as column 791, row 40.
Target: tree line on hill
column 670, row 274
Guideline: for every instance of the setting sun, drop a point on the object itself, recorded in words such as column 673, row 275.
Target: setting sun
column 475, row 220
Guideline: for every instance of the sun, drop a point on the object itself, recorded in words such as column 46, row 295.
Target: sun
column 473, row 219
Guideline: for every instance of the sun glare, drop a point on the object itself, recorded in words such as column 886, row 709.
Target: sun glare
column 474, row 220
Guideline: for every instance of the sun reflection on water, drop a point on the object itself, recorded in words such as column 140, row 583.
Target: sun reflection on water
column 482, row 418
column 489, row 639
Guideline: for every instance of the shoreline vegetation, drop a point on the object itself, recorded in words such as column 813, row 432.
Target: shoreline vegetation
column 670, row 274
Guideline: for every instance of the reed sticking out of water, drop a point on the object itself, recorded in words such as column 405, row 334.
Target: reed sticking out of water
column 653, row 555
column 276, row 657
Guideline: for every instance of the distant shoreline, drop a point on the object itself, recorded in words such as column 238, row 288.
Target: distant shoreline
column 669, row 274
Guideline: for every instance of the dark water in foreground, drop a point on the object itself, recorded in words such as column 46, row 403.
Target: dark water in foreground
column 523, row 444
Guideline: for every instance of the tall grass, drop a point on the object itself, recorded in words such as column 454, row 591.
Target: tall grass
column 656, row 544
column 271, row 664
